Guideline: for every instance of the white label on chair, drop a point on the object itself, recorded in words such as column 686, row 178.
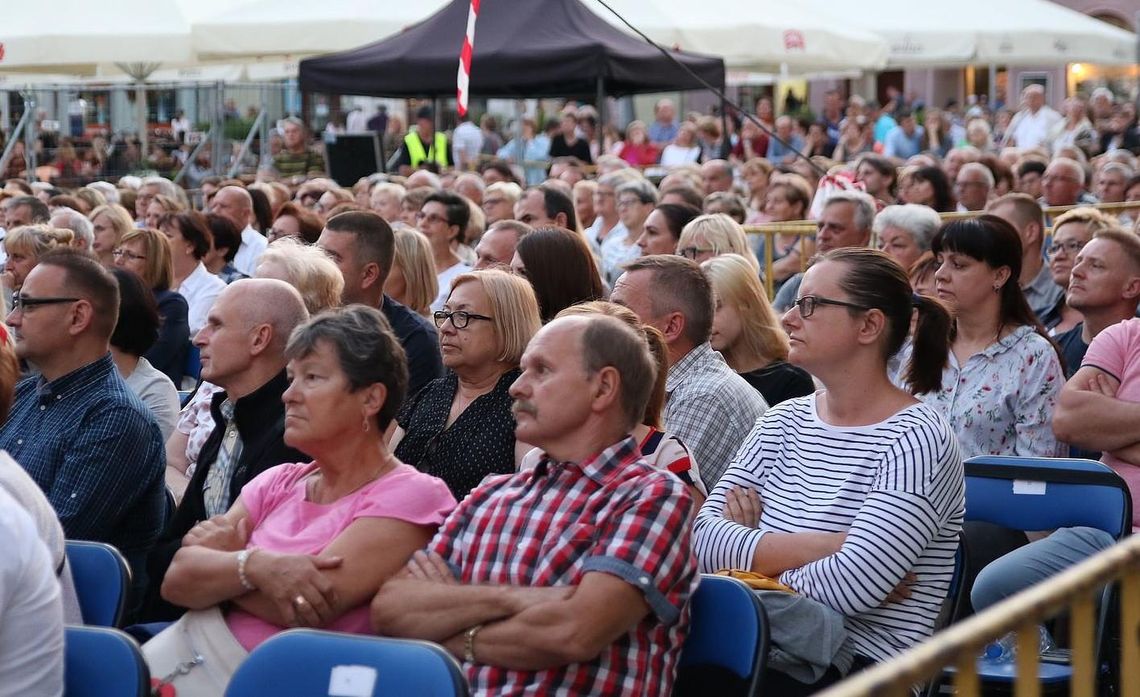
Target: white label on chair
column 352, row 681
column 1029, row 488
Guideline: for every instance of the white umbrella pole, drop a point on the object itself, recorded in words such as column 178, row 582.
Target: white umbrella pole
column 140, row 118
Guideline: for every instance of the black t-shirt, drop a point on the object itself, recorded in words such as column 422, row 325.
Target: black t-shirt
column 779, row 381
column 580, row 149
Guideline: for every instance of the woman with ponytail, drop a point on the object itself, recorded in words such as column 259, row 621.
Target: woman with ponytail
column 1004, row 375
column 852, row 496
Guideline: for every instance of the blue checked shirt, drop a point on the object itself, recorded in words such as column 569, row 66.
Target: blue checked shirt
column 97, row 453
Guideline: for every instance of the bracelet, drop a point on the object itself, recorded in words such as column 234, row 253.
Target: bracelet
column 469, row 643
column 243, row 557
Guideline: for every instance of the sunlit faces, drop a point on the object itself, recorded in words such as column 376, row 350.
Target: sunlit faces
column 900, row 245
column 1101, row 273
column 552, row 395
column 1063, row 249
column 655, row 237
column 320, row 402
column 476, row 344
column 826, row 338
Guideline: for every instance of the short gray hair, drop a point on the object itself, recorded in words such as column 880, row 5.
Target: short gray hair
column 987, row 174
column 366, row 349
column 921, row 222
column 615, row 179
column 78, row 223
column 863, row 203
column 642, row 188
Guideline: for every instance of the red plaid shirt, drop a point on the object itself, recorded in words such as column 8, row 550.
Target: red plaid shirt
column 549, row 526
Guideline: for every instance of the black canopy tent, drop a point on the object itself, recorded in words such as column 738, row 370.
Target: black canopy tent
column 523, row 48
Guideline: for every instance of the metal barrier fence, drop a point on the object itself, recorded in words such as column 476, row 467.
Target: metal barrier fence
column 1072, row 590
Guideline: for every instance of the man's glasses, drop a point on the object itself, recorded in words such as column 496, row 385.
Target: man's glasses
column 459, row 318
column 1072, row 247
column 129, row 256
column 808, row 303
column 23, row 302
column 432, row 218
column 694, row 252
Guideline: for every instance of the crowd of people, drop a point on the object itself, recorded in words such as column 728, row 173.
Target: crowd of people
column 516, row 406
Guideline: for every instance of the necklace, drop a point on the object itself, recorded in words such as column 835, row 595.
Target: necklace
column 314, row 490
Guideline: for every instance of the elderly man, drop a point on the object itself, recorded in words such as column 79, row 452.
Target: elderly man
column 362, row 246
column 80, row 226
column 545, row 205
column 664, row 127
column 296, row 160
column 75, row 426
column 787, row 144
column 973, row 186
column 235, row 204
column 243, row 352
column 846, row 221
column 1110, row 182
column 716, row 176
column 1023, row 213
column 707, row 405
column 497, row 246
column 1064, row 184
column 25, row 210
column 499, row 201
column 1032, row 125
column 571, row 576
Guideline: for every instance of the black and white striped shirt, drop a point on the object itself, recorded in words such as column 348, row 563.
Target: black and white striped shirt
column 896, row 488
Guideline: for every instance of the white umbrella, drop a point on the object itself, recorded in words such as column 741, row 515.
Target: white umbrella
column 759, row 36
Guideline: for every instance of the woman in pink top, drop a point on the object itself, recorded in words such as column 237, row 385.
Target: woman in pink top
column 309, row 544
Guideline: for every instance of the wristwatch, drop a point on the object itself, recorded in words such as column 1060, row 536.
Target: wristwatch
column 469, row 643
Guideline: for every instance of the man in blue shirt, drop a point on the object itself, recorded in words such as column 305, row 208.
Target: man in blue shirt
column 905, row 140
column 79, row 431
column 664, row 128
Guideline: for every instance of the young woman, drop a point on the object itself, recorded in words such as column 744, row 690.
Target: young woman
column 857, row 482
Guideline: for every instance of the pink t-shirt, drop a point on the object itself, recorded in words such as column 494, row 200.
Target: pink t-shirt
column 283, row 521
column 1116, row 351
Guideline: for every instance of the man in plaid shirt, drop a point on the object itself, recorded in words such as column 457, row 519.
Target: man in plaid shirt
column 573, row 577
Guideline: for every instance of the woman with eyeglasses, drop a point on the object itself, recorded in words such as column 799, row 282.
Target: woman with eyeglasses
column 460, row 427
column 635, row 201
column 852, row 496
column 1072, row 230
column 147, row 253
column 708, row 236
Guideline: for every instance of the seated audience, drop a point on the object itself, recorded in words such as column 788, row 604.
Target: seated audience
column 224, row 242
column 787, row 198
column 190, row 241
column 1000, row 386
column 725, row 202
column 707, row 236
column 499, row 201
column 146, row 252
column 82, row 233
column 442, row 219
column 234, row 203
column 662, row 229
column 1072, row 230
column 75, row 414
column 507, row 579
column 930, row 187
column 385, row 201
column 308, row 543
column 293, row 220
column 637, row 150
column 460, row 427
column 636, row 199
column 800, row 503
column 25, row 245
column 747, row 333
column 560, row 268
column 497, row 246
column 1036, row 281
column 135, row 333
column 709, row 406
column 109, row 223
column 412, row 281
column 904, row 231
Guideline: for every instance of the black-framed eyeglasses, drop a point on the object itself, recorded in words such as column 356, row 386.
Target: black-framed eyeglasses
column 1072, row 247
column 806, row 304
column 22, row 302
column 694, row 252
column 432, row 218
column 459, row 318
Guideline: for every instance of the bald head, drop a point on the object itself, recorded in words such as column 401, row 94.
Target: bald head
column 268, row 301
column 234, row 204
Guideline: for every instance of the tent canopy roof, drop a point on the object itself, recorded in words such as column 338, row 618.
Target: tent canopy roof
column 533, row 49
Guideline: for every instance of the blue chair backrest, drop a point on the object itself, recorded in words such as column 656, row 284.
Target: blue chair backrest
column 193, row 367
column 101, row 662
column 306, row 662
column 728, row 628
column 102, row 581
column 1038, row 493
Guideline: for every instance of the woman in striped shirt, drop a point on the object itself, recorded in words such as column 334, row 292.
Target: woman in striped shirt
column 852, row 496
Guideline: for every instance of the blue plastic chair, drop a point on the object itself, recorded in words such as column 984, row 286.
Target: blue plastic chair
column 101, row 662
column 729, row 630
column 306, row 662
column 102, row 582
column 1036, row 493
column 193, row 366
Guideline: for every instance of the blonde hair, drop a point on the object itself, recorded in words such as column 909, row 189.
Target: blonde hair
column 35, row 240
column 414, row 257
column 158, row 267
column 120, row 220
column 735, row 283
column 510, row 190
column 308, row 269
column 1092, row 217
column 513, row 306
column 725, row 235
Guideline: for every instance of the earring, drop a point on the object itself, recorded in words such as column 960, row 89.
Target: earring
column 997, row 289
column 367, row 426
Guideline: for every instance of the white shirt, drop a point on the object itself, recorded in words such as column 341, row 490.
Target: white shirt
column 445, row 277
column 356, row 121
column 466, row 142
column 253, row 243
column 31, row 614
column 200, row 289
column 1029, row 130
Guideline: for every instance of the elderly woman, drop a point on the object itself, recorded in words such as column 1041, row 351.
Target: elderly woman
column 110, row 222
column 147, row 253
column 560, row 268
column 747, row 331
column 25, row 245
column 707, row 236
column 190, row 242
column 663, row 228
column 460, row 426
column 635, row 201
column 293, row 220
column 412, row 282
column 788, row 198
column 904, row 231
column 637, row 150
column 135, row 333
column 310, row 543
column 857, row 482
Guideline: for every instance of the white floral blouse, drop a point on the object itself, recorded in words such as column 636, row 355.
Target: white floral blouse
column 1001, row 401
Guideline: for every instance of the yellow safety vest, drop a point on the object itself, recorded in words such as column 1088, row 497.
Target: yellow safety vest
column 415, row 146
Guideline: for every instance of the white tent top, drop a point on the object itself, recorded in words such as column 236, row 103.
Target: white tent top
column 754, row 35
column 1009, row 32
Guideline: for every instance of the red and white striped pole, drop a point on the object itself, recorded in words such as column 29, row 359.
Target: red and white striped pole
column 464, row 78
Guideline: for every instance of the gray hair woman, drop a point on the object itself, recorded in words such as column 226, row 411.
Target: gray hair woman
column 904, row 232
column 310, row 543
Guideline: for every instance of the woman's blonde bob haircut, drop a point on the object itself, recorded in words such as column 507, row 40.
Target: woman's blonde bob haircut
column 308, row 269
column 722, row 233
column 158, row 266
column 414, row 257
column 735, row 283
column 513, row 306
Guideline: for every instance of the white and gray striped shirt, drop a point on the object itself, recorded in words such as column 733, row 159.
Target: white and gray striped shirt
column 896, row 488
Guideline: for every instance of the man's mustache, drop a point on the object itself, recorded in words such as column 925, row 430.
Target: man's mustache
column 522, row 406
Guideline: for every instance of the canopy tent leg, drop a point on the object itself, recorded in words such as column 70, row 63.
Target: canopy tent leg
column 217, row 128
column 140, row 118
column 726, row 143
column 993, row 86
column 30, row 136
column 15, row 136
column 601, row 130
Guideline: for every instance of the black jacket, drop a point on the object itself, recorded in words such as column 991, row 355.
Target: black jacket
column 260, row 418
